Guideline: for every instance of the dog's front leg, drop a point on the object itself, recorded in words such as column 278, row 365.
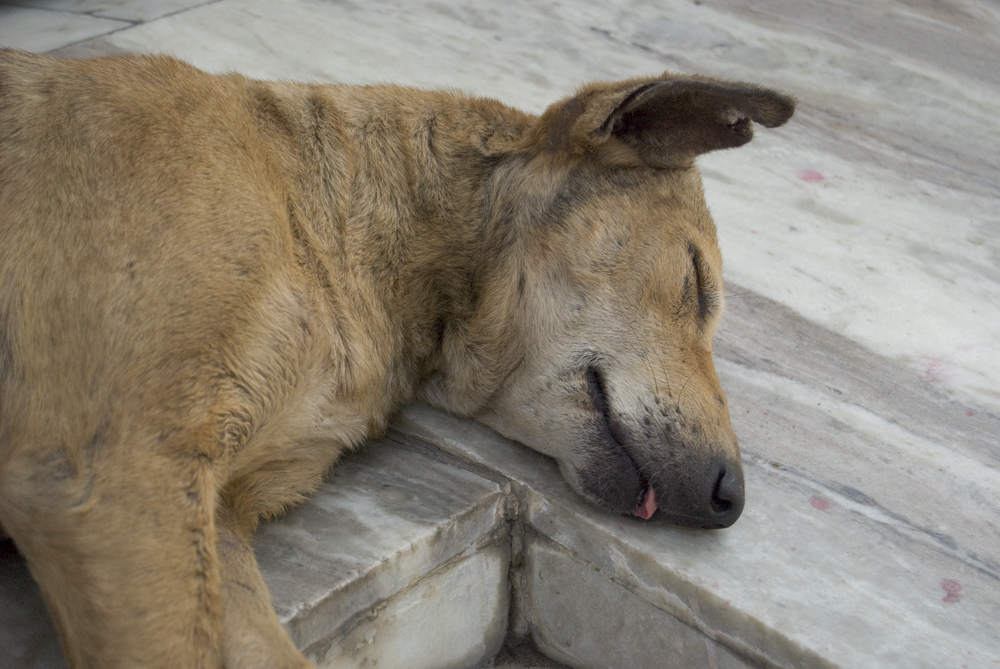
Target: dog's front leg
column 252, row 635
column 125, row 553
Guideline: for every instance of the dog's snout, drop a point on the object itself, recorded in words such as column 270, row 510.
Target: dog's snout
column 723, row 501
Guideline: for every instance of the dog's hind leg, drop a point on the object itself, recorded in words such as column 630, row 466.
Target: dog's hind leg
column 252, row 635
column 123, row 545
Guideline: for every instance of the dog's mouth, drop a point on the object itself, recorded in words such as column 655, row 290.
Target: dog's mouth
column 645, row 505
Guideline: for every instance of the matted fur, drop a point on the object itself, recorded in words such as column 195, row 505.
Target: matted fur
column 211, row 286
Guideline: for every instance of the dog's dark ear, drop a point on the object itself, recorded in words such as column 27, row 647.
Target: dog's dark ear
column 662, row 122
column 669, row 123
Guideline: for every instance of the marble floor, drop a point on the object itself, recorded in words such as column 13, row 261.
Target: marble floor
column 861, row 347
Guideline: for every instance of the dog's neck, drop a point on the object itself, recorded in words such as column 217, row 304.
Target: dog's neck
column 404, row 210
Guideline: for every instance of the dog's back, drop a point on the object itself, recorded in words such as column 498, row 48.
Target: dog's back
column 110, row 215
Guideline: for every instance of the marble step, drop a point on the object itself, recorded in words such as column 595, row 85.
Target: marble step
column 400, row 560
column 869, row 538
column 811, row 576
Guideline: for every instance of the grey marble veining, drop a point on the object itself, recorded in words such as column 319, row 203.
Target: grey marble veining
column 860, row 352
column 585, row 619
column 36, row 30
column 385, row 518
column 453, row 618
column 879, row 437
column 122, row 10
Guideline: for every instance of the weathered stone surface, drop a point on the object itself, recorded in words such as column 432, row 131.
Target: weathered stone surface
column 582, row 618
column 37, row 30
column 123, row 10
column 387, row 516
column 453, row 619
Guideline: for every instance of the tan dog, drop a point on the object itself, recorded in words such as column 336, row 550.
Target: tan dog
column 210, row 287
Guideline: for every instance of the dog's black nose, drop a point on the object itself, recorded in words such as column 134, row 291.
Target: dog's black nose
column 724, row 496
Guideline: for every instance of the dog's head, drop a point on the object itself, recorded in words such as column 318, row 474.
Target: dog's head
column 604, row 287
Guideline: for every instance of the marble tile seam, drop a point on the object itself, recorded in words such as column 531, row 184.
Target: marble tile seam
column 43, row 31
column 690, row 608
column 103, row 10
column 667, row 588
column 97, row 47
column 307, row 621
column 564, row 625
column 673, row 591
column 90, row 45
column 685, row 612
column 525, row 526
column 499, row 538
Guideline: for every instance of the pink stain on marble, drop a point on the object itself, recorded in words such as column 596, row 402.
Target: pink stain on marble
column 811, row 176
column 935, row 370
column 819, row 503
column 953, row 590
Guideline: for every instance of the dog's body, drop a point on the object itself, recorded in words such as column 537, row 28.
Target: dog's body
column 212, row 286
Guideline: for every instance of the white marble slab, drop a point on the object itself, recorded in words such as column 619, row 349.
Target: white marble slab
column 40, row 31
column 587, row 620
column 386, row 518
column 456, row 617
column 124, row 10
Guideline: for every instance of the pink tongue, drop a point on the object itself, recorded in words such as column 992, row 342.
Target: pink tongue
column 648, row 506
